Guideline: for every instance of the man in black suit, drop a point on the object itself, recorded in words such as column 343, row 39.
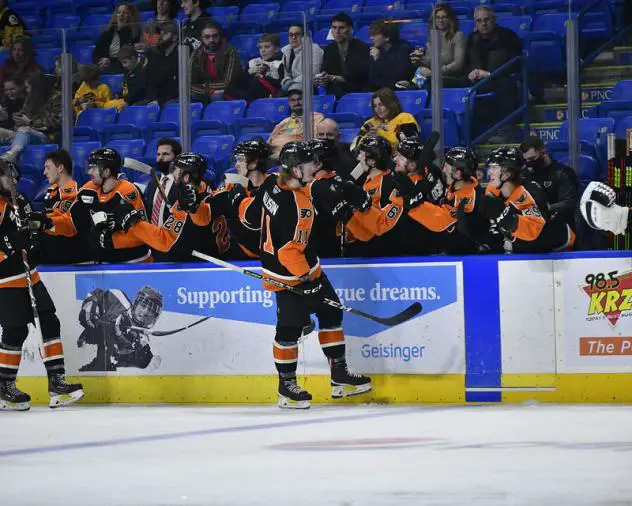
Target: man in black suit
column 157, row 208
column 345, row 61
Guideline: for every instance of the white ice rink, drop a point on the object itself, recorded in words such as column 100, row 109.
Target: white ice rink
column 330, row 455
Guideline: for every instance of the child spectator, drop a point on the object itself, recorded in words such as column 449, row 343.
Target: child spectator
column 91, row 93
column 135, row 83
column 265, row 72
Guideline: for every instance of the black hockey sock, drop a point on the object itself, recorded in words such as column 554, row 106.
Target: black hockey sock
column 10, row 357
column 332, row 341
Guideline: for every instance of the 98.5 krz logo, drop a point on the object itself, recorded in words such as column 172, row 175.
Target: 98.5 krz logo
column 610, row 295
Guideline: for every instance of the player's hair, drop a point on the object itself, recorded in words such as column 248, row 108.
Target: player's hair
column 533, row 141
column 294, row 92
column 343, row 17
column 386, row 27
column 270, row 37
column 390, row 101
column 60, row 157
column 176, row 147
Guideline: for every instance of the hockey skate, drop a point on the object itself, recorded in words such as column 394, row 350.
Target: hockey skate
column 13, row 399
column 344, row 383
column 62, row 393
column 292, row 396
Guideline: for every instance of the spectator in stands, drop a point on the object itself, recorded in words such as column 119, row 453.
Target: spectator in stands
column 157, row 208
column 293, row 58
column 162, row 69
column 388, row 120
column 39, row 120
column 345, row 61
column 291, row 128
column 74, row 69
column 215, row 67
column 195, row 22
column 11, row 25
column 135, row 83
column 12, row 102
column 488, row 48
column 452, row 50
column 21, row 63
column 266, row 72
column 91, row 93
column 390, row 56
column 559, row 181
column 123, row 29
column 343, row 160
column 166, row 11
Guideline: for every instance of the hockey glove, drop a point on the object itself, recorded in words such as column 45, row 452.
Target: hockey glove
column 14, row 242
column 598, row 208
column 236, row 194
column 125, row 216
column 188, row 198
column 499, row 213
column 101, row 237
column 413, row 194
column 356, row 196
column 38, row 222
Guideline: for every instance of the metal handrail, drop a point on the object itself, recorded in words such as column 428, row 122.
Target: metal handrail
column 590, row 58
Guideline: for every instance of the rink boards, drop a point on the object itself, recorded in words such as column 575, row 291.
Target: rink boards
column 554, row 328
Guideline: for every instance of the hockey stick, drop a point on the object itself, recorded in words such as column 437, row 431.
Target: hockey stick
column 159, row 333
column 408, row 313
column 139, row 166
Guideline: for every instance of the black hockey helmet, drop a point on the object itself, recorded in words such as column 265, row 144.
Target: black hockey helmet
column 323, row 149
column 416, row 150
column 193, row 164
column 105, row 158
column 509, row 159
column 296, row 153
column 147, row 306
column 463, row 159
column 255, row 150
column 378, row 149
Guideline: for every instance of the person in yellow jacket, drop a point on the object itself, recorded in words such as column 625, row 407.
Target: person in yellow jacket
column 91, row 93
column 388, row 121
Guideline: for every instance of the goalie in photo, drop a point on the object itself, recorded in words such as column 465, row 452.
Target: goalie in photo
column 119, row 328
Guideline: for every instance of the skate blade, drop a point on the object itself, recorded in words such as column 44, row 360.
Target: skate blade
column 14, row 406
column 286, row 403
column 60, row 400
column 341, row 391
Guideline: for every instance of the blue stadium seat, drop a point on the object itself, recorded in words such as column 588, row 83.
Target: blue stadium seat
column 622, row 90
column 4, row 56
column 141, row 116
column 546, row 52
column 262, row 10
column 356, row 103
column 96, row 118
column 552, row 22
column 251, row 135
column 34, row 154
column 161, row 129
column 84, row 134
column 80, row 152
column 347, row 6
column 28, row 186
column 91, row 21
column 324, row 103
column 63, row 20
column 309, row 6
column 83, row 53
column 592, row 136
column 114, row 81
column 41, row 192
column 348, row 134
column 120, row 131
column 216, row 147
column 244, row 126
column 247, row 43
column 226, row 111
column 320, row 36
column 451, row 133
column 171, row 112
column 208, row 127
column 32, row 21
column 46, row 58
column 505, row 10
column 412, row 101
column 616, row 109
column 87, row 8
column 152, row 147
column 623, row 125
column 467, row 26
column 347, row 120
column 588, row 168
column 273, row 109
column 128, row 148
column 415, row 30
column 230, row 13
column 519, row 24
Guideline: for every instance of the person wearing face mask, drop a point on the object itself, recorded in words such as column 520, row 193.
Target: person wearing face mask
column 559, row 181
column 342, row 159
column 162, row 69
column 215, row 67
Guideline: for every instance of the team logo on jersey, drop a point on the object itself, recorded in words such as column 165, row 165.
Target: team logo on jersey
column 547, row 184
column 132, row 196
column 87, row 199
column 13, row 20
column 521, row 199
column 610, row 296
column 305, row 213
column 68, row 190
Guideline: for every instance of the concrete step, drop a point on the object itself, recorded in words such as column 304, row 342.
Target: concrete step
column 599, row 73
column 623, row 55
column 554, row 112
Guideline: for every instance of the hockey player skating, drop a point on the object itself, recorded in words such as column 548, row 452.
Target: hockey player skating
column 112, row 323
column 16, row 311
column 288, row 255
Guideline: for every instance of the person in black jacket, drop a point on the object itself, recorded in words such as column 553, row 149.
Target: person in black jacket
column 124, row 28
column 346, row 62
column 390, row 56
column 488, row 48
column 558, row 180
column 136, row 76
column 195, row 22
column 341, row 158
column 162, row 69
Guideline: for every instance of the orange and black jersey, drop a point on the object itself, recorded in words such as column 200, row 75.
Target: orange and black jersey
column 326, row 231
column 182, row 232
column 60, row 198
column 287, row 252
column 90, row 200
column 12, row 274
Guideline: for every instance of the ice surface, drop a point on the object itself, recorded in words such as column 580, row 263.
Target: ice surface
column 329, row 455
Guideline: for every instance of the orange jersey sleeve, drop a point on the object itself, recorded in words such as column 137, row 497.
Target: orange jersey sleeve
column 62, row 225
column 160, row 238
column 377, row 220
column 530, row 219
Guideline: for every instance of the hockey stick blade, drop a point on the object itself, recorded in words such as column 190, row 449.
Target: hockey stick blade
column 133, row 164
column 408, row 313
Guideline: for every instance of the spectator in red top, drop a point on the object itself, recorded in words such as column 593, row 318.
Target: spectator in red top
column 215, row 67
column 21, row 63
